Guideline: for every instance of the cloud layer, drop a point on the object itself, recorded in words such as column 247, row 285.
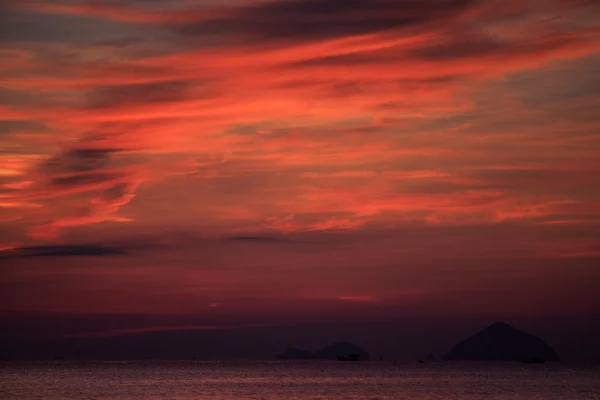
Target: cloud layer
column 275, row 124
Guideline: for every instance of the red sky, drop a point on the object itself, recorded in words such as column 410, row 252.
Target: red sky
column 269, row 160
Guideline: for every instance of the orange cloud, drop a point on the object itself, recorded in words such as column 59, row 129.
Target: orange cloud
column 382, row 106
column 100, row 209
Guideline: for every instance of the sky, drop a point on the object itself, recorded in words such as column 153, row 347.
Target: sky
column 213, row 167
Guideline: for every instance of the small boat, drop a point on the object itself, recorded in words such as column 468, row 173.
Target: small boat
column 351, row 357
column 533, row 361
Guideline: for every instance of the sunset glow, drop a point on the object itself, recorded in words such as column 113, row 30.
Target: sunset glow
column 257, row 162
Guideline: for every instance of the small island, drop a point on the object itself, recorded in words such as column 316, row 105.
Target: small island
column 341, row 351
column 502, row 342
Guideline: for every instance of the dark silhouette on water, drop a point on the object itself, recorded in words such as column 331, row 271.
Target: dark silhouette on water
column 533, row 361
column 431, row 357
column 351, row 357
column 501, row 342
column 341, row 351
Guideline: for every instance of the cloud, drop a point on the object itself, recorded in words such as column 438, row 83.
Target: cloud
column 341, row 174
column 307, row 20
column 258, row 239
column 120, row 96
column 101, row 208
column 91, row 178
column 84, row 184
column 269, row 18
column 21, row 24
column 60, row 251
column 313, row 73
column 316, row 223
column 394, row 111
column 78, row 160
column 117, row 11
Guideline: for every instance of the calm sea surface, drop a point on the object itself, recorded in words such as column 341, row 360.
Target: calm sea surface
column 294, row 380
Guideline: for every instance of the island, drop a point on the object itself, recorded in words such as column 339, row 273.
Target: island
column 502, row 342
column 341, row 351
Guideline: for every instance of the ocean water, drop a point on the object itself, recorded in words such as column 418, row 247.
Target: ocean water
column 290, row 380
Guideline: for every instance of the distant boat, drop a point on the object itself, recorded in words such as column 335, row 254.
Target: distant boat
column 331, row 352
column 533, row 361
column 351, row 357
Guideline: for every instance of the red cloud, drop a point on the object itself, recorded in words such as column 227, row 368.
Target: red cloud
column 378, row 99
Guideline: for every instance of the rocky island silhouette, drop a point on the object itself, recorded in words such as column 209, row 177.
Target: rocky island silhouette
column 497, row 342
column 502, row 342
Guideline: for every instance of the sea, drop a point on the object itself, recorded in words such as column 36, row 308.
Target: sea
column 290, row 380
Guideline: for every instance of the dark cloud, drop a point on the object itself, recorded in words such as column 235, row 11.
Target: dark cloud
column 61, row 251
column 460, row 48
column 8, row 127
column 146, row 93
column 23, row 26
column 265, row 239
column 95, row 182
column 482, row 46
column 85, row 179
column 451, row 47
column 93, row 176
column 438, row 186
column 298, row 20
column 78, row 160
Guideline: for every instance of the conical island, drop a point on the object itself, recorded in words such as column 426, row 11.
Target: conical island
column 501, row 342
